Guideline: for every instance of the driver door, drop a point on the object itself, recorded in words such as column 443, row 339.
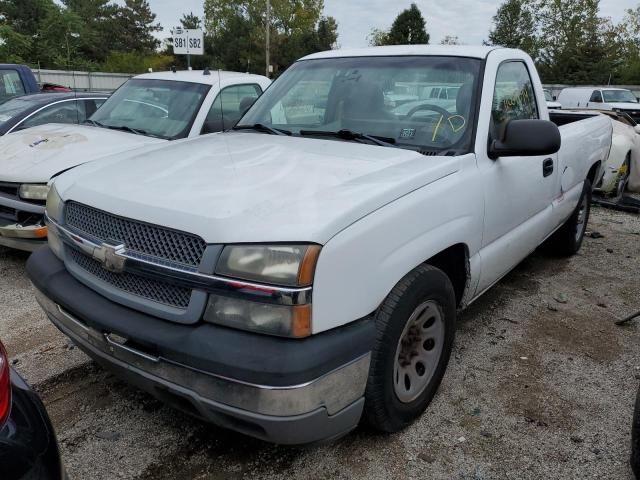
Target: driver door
column 518, row 191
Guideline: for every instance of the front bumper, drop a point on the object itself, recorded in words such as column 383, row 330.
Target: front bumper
column 280, row 390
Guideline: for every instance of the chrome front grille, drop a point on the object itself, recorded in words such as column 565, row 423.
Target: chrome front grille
column 156, row 291
column 144, row 238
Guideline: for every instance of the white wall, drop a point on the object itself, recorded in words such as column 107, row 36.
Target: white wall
column 82, row 80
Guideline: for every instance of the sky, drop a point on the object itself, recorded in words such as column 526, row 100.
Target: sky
column 469, row 20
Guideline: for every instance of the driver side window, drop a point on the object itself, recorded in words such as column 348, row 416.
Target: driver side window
column 513, row 97
column 596, row 97
column 229, row 106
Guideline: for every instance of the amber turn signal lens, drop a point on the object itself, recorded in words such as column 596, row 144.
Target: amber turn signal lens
column 40, row 232
column 308, row 266
column 301, row 322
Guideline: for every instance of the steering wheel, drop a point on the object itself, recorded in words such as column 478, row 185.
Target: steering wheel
column 428, row 106
column 445, row 115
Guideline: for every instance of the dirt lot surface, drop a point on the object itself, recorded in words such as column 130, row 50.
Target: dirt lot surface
column 541, row 385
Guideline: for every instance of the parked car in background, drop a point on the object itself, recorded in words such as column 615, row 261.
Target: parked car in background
column 440, row 96
column 33, row 110
column 622, row 169
column 303, row 271
column 605, row 98
column 28, row 445
column 150, row 109
column 551, row 103
column 16, row 80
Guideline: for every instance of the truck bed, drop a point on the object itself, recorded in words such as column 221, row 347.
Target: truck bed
column 561, row 118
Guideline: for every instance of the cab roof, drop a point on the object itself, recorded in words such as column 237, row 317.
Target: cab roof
column 198, row 76
column 400, row 50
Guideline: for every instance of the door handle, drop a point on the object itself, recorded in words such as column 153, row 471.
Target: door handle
column 547, row 167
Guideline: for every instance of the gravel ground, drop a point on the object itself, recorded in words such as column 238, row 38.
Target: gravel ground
column 541, row 385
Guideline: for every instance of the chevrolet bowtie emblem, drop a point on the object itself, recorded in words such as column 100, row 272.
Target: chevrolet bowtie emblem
column 110, row 257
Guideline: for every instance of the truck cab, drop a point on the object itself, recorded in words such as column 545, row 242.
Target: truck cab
column 16, row 80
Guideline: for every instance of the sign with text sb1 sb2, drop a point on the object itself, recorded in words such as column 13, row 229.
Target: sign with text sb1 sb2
column 188, row 41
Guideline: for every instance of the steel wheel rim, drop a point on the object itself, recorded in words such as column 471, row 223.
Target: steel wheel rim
column 418, row 352
column 581, row 220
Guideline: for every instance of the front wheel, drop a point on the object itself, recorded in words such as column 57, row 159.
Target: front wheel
column 568, row 239
column 415, row 331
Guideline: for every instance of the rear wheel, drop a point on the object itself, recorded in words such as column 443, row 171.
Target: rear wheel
column 415, row 332
column 568, row 239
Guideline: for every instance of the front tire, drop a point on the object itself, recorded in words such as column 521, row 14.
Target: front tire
column 568, row 239
column 415, row 332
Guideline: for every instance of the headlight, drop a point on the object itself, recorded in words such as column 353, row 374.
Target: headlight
column 288, row 265
column 33, row 191
column 54, row 204
column 284, row 321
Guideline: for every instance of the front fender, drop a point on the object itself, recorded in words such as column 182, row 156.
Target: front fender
column 360, row 266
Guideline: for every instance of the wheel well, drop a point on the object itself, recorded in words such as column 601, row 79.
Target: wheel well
column 454, row 261
column 593, row 172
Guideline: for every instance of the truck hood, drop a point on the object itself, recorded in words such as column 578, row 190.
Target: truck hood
column 36, row 154
column 625, row 106
column 249, row 187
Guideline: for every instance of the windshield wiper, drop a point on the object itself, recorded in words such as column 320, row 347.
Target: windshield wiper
column 349, row 135
column 126, row 128
column 260, row 127
column 94, row 123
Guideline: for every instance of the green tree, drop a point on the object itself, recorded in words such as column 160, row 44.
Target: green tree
column 236, row 32
column 327, row 33
column 409, row 28
column 135, row 26
column 378, row 37
column 96, row 30
column 627, row 37
column 450, row 40
column 191, row 21
column 25, row 16
column 14, row 47
column 514, row 26
column 571, row 40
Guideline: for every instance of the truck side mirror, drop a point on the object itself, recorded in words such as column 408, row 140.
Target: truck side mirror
column 527, row 138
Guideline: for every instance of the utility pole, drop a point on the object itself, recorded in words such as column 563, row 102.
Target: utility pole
column 268, row 40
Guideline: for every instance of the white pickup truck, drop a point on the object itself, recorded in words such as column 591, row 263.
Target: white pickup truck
column 304, row 270
column 147, row 110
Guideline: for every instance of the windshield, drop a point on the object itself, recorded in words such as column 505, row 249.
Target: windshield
column 390, row 98
column 619, row 96
column 16, row 106
column 158, row 108
column 547, row 96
